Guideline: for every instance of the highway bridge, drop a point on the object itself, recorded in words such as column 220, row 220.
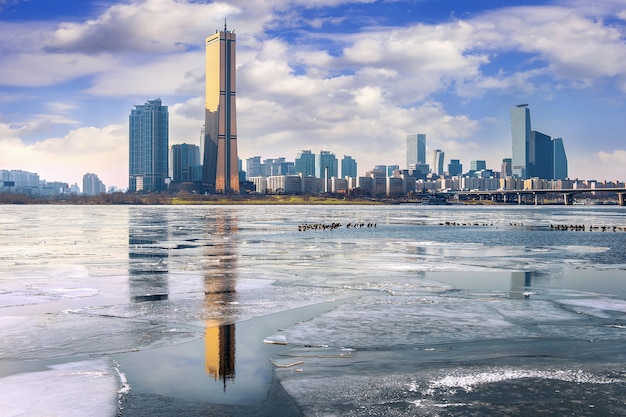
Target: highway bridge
column 522, row 196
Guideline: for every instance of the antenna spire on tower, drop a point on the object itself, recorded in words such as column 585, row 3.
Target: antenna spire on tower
column 225, row 25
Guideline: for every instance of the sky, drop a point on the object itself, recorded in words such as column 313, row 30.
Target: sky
column 352, row 77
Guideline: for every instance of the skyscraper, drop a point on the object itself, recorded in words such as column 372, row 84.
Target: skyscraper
column 148, row 146
column 506, row 168
column 540, row 156
column 92, row 185
column 183, row 159
column 305, row 163
column 438, row 157
column 415, row 149
column 220, row 160
column 520, row 130
column 348, row 167
column 455, row 167
column 324, row 161
column 560, row 159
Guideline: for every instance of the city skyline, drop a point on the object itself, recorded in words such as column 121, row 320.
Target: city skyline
column 324, row 78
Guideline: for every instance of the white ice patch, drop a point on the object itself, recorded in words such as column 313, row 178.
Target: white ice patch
column 597, row 306
column 80, row 389
column 468, row 382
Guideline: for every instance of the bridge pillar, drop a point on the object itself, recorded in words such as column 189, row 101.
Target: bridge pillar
column 519, row 198
column 536, row 199
column 620, row 199
column 566, row 199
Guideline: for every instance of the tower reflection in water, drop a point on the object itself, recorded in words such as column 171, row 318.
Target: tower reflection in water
column 147, row 255
column 220, row 295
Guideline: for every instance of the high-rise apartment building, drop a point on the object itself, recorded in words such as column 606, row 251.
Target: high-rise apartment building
column 92, row 185
column 253, row 167
column 348, row 167
column 506, row 168
column 148, row 147
column 415, row 149
column 220, row 161
column 183, row 160
column 478, row 165
column 326, row 165
column 520, row 130
column 438, row 157
column 305, row 163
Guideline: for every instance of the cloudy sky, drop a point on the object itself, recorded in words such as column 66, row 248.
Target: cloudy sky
column 351, row 77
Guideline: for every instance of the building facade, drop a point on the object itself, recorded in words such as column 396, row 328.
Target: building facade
column 183, row 160
column 92, row 185
column 305, row 163
column 220, row 160
column 415, row 149
column 520, row 135
column 348, row 167
column 560, row 160
column 438, row 157
column 148, row 147
column 326, row 165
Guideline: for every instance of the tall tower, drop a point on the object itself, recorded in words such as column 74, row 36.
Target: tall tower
column 438, row 156
column 560, row 160
column 415, row 149
column 148, row 147
column 520, row 131
column 220, row 161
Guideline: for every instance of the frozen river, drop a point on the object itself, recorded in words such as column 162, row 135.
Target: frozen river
column 376, row 310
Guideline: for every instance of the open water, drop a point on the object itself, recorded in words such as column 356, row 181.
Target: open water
column 385, row 310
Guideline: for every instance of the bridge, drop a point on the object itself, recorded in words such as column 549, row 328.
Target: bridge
column 522, row 195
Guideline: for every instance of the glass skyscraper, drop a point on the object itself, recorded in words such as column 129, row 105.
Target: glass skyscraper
column 438, row 158
column 305, row 163
column 183, row 159
column 415, row 149
column 323, row 161
column 220, row 160
column 148, row 147
column 560, row 159
column 348, row 167
column 520, row 130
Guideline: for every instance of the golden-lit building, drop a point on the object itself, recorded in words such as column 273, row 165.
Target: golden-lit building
column 220, row 160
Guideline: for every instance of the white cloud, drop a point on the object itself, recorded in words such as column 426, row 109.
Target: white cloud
column 90, row 149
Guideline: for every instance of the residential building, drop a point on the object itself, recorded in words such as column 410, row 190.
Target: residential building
column 326, row 165
column 348, row 167
column 92, row 185
column 506, row 168
column 253, row 167
column 305, row 163
column 148, row 147
column 220, row 161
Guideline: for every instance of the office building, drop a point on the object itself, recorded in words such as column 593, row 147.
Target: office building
column 455, row 167
column 148, row 147
column 305, row 163
column 415, row 149
column 478, row 165
column 391, row 169
column 520, row 131
column 540, row 156
column 220, row 160
column 348, row 167
column 183, row 160
column 560, row 160
column 438, row 156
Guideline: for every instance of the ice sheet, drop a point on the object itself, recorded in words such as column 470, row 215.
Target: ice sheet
column 80, row 389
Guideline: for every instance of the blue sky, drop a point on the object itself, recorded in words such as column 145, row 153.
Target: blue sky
column 350, row 77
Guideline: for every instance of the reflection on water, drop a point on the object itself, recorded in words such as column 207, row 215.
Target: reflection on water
column 220, row 292
column 149, row 249
column 147, row 255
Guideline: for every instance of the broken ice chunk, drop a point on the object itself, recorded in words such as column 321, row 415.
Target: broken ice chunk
column 276, row 340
